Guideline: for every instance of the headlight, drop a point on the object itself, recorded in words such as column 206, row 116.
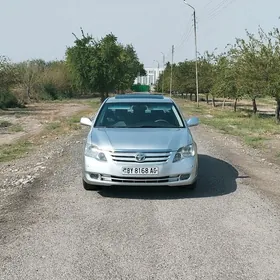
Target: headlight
column 185, row 152
column 94, row 152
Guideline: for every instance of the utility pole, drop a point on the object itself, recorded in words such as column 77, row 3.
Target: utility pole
column 171, row 75
column 162, row 88
column 196, row 64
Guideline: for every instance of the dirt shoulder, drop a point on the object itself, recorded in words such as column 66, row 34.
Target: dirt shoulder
column 30, row 121
column 48, row 128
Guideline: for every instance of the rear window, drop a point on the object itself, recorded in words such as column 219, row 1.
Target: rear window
column 139, row 114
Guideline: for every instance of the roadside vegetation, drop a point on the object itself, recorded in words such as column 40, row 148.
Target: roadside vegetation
column 91, row 68
column 255, row 130
column 247, row 70
column 239, row 89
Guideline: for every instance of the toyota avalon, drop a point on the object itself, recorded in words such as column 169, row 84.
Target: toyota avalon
column 139, row 139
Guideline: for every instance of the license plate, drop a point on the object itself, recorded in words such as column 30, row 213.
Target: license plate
column 140, row 170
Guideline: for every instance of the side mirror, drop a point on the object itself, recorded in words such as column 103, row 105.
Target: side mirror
column 194, row 121
column 86, row 121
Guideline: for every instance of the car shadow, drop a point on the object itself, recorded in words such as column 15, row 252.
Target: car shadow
column 215, row 178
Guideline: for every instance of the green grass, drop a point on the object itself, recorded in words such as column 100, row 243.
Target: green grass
column 4, row 124
column 74, row 122
column 16, row 128
column 254, row 130
column 255, row 141
column 14, row 151
column 11, row 127
column 64, row 125
column 53, row 126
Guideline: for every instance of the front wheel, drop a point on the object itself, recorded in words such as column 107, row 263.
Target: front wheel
column 90, row 187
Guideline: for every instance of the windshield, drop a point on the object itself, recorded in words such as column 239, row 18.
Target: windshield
column 135, row 115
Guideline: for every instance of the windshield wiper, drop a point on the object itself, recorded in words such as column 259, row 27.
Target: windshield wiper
column 149, row 126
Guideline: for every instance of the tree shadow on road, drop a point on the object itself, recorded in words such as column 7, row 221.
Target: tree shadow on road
column 215, row 178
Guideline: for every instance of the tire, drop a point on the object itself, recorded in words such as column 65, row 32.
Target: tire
column 90, row 187
column 190, row 187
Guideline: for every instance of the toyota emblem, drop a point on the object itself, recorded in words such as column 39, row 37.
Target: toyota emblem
column 140, row 157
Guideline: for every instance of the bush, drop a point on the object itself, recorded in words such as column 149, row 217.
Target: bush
column 8, row 100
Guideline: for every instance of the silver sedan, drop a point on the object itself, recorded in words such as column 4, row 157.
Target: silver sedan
column 139, row 139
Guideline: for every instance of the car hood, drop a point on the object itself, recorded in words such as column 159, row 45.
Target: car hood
column 140, row 138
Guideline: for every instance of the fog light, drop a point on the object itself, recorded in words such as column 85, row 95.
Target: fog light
column 184, row 177
column 95, row 176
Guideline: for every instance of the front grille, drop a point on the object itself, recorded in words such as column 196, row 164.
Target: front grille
column 139, row 180
column 150, row 157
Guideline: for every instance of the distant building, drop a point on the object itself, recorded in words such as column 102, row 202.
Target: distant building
column 151, row 78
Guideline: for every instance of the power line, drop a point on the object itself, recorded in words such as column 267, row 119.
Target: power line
column 208, row 9
column 205, row 6
column 218, row 6
column 184, row 38
column 214, row 11
column 224, row 7
column 188, row 35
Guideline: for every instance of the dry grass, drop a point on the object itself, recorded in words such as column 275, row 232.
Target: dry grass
column 14, row 151
column 53, row 128
column 253, row 129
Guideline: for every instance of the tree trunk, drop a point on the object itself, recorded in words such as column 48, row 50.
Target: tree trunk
column 28, row 93
column 102, row 97
column 191, row 95
column 277, row 111
column 224, row 102
column 213, row 101
column 207, row 98
column 235, row 104
column 255, row 108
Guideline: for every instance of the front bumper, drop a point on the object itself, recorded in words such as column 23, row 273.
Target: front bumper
column 109, row 173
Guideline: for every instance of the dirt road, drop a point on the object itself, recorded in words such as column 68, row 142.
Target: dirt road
column 229, row 228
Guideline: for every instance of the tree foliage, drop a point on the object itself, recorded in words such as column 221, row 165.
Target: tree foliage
column 103, row 65
column 8, row 78
column 8, row 75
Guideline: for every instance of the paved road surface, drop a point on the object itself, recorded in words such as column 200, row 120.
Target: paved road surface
column 229, row 228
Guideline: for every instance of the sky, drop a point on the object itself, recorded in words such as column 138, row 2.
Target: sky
column 31, row 29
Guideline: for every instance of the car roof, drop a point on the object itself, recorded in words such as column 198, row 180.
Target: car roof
column 139, row 97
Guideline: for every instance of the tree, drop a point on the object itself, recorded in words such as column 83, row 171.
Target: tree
column 258, row 62
column 206, row 73
column 29, row 73
column 249, row 67
column 129, row 68
column 184, row 78
column 55, row 81
column 102, row 65
column 8, row 78
column 8, row 74
column 271, row 65
column 226, row 80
